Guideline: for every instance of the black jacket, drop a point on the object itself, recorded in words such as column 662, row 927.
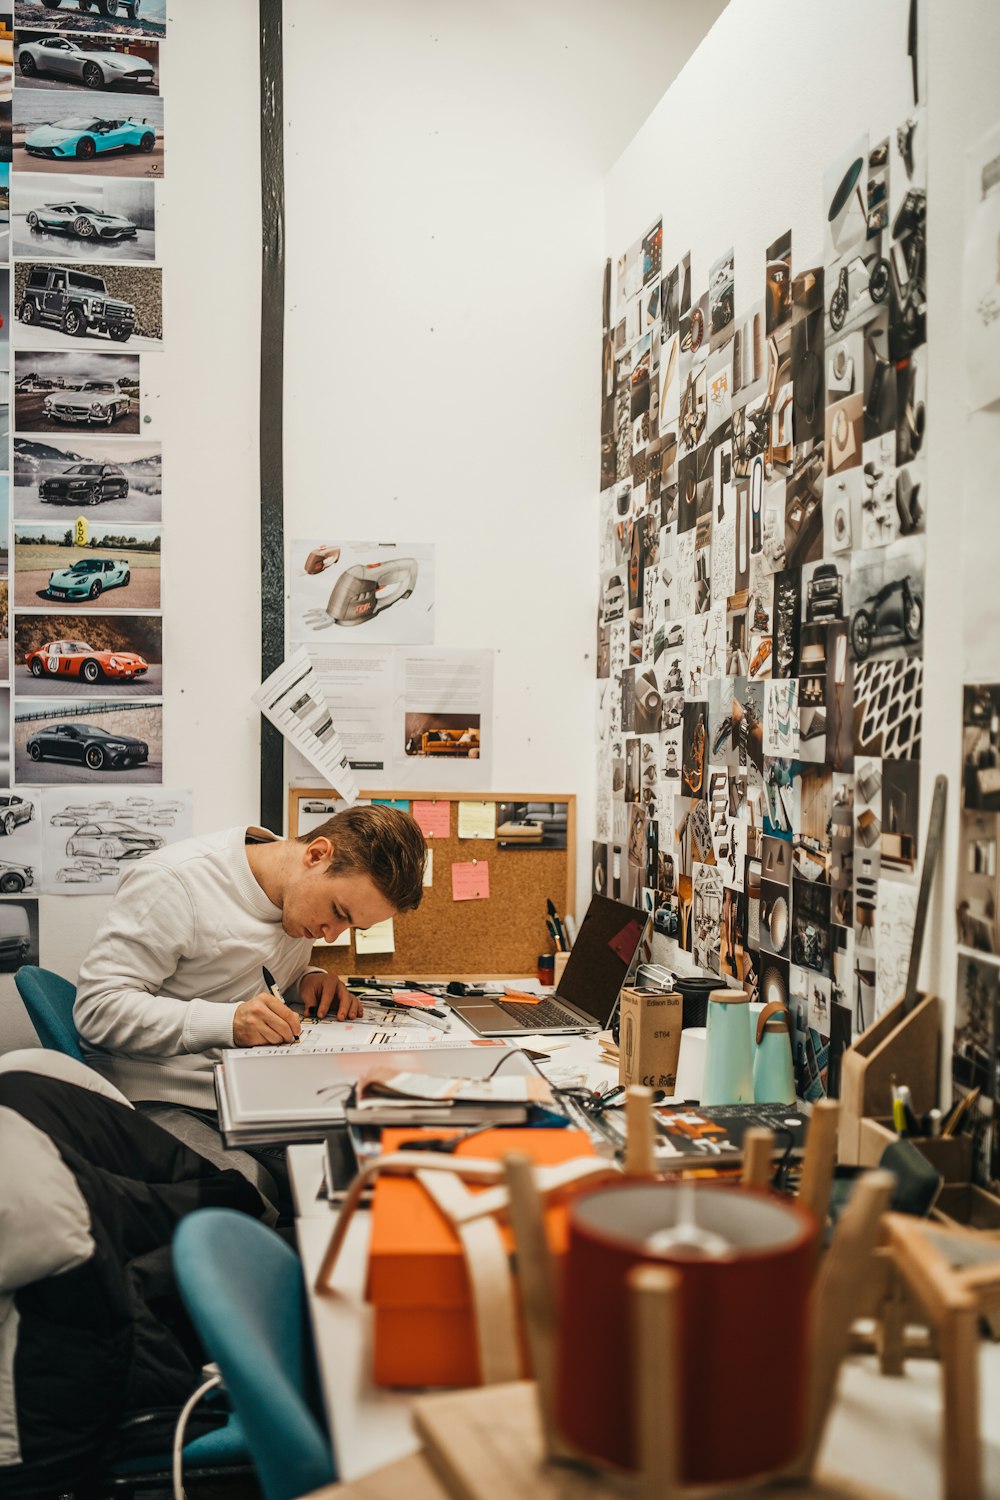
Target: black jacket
column 91, row 1332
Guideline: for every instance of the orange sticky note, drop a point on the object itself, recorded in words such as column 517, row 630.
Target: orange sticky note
column 471, row 881
column 433, row 819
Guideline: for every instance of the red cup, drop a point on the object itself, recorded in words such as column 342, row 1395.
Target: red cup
column 743, row 1322
column 546, row 968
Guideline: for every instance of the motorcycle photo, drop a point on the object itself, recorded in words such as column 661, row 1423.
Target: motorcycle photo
column 892, row 616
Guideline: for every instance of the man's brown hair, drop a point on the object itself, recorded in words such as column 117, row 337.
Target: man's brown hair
column 381, row 842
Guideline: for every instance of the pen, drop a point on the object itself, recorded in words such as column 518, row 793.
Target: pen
column 272, row 989
column 559, row 934
column 419, row 1012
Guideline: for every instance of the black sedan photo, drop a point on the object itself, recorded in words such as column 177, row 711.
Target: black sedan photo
column 87, row 745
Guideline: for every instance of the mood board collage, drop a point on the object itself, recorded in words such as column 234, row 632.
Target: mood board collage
column 81, row 669
column 761, row 619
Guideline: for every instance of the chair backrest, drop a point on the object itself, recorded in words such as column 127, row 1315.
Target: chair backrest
column 244, row 1290
column 48, row 999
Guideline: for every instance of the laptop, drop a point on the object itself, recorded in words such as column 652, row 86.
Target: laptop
column 606, row 951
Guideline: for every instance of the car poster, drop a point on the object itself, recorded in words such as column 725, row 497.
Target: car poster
column 81, row 520
column 89, row 839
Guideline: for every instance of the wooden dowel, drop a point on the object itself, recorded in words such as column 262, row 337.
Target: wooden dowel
column 653, row 1297
column 820, row 1158
column 537, row 1282
column 758, row 1151
column 639, row 1125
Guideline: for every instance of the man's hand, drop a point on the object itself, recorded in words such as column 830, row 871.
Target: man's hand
column 321, row 993
column 264, row 1021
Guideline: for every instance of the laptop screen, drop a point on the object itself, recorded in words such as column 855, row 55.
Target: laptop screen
column 602, row 955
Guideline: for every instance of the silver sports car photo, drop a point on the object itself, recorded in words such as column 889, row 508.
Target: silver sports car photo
column 82, row 220
column 59, row 57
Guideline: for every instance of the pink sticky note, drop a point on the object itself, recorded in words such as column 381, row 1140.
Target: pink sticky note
column 470, row 881
column 433, row 819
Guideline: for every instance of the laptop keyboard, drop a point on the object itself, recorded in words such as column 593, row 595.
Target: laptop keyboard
column 537, row 1017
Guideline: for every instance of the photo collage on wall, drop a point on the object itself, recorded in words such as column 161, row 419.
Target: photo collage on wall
column 81, row 670
column 976, row 1055
column 761, row 618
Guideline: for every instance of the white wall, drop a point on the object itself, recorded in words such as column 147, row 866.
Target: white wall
column 444, row 170
column 203, row 393
column 735, row 154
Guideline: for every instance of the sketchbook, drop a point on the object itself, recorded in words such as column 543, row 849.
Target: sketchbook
column 279, row 1095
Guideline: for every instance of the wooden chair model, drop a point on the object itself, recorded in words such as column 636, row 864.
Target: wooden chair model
column 500, row 1441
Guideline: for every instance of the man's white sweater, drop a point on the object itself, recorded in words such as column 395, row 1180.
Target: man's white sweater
column 180, row 949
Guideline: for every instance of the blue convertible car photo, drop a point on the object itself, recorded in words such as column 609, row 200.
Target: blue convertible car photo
column 82, row 137
column 88, row 578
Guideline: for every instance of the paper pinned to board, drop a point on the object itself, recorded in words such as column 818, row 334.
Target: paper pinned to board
column 379, row 938
column 291, row 699
column 477, row 820
column 470, row 881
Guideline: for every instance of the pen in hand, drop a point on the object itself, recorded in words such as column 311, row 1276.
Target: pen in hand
column 272, row 989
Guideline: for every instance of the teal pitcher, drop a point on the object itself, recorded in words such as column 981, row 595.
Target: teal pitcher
column 773, row 1074
column 728, row 1055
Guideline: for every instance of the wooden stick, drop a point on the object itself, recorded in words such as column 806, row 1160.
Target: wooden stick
column 537, row 1281
column 758, row 1150
column 819, row 1159
column 960, row 1387
column 654, row 1293
column 639, row 1125
column 838, row 1294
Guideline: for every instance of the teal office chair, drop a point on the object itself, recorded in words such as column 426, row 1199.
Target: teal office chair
column 48, row 999
column 243, row 1288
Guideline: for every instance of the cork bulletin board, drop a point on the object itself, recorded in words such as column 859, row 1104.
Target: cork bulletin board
column 450, row 939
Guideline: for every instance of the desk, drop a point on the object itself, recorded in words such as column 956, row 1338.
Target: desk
column 369, row 1426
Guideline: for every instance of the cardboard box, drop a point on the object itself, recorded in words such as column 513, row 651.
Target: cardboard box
column 425, row 1333
column 951, row 1155
column 650, row 1039
column 904, row 1048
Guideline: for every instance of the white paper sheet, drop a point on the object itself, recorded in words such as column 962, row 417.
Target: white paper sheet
column 89, row 839
column 371, row 592
column 981, row 271
column 292, row 700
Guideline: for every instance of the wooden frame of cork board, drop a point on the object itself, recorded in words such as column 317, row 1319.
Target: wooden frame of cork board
column 501, row 936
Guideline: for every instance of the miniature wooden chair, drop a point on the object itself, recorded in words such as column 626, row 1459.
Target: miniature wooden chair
column 954, row 1275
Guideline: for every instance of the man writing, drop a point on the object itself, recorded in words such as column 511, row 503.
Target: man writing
column 175, row 971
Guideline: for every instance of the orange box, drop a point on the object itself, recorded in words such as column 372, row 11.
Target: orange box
column 418, row 1284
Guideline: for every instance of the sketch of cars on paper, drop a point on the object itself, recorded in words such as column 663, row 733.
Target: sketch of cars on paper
column 78, row 659
column 82, row 137
column 14, row 878
column 14, row 811
column 96, row 401
column 86, row 745
column 81, row 220
column 72, row 817
column 87, row 871
column 111, row 840
column 64, row 58
column 88, row 578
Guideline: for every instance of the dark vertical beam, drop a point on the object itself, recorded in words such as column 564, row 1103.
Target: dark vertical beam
column 272, row 337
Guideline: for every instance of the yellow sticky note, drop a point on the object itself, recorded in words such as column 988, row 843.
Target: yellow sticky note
column 344, row 941
column 429, row 868
column 477, row 820
column 377, row 939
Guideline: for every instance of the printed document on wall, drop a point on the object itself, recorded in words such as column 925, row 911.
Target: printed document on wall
column 292, row 700
column 368, row 592
column 356, row 682
column 981, row 278
column 443, row 719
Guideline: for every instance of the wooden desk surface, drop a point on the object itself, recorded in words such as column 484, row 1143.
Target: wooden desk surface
column 884, row 1430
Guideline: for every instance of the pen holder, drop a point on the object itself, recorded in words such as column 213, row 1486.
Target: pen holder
column 562, row 959
column 743, row 1327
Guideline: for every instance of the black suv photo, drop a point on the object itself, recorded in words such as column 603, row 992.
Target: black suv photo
column 75, row 302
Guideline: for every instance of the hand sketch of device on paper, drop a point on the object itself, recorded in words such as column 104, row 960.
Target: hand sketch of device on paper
column 364, row 591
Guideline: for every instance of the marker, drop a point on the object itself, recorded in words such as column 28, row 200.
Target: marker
column 272, row 989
